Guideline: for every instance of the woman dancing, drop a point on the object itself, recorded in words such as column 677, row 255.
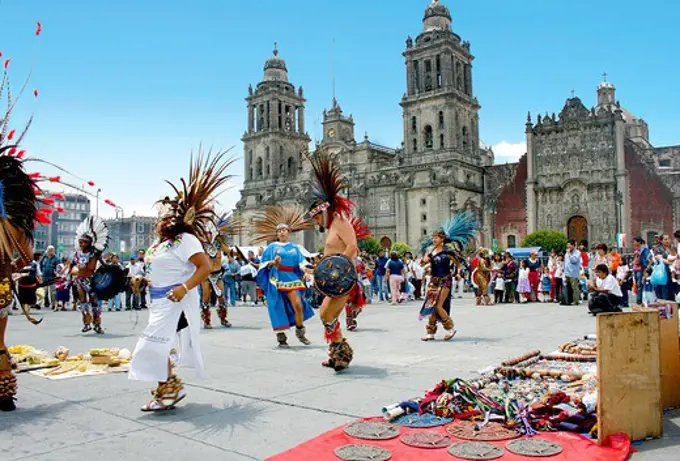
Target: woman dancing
column 448, row 242
column 176, row 265
column 281, row 271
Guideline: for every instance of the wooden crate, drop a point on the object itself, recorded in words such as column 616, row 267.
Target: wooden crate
column 670, row 356
column 629, row 375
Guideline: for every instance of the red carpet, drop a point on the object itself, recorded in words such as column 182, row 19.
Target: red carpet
column 575, row 448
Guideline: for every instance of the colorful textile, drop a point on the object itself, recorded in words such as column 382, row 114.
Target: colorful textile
column 434, row 290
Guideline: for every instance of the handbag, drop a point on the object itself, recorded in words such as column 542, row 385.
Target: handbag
column 659, row 275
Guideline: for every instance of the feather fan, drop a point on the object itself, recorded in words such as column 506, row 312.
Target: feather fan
column 361, row 228
column 329, row 183
column 193, row 203
column 266, row 223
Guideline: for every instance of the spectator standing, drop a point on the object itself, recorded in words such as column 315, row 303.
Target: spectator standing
column 641, row 259
column 48, row 267
column 573, row 262
column 395, row 271
column 379, row 276
column 510, row 275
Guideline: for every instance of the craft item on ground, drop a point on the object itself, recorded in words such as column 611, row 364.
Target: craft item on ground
column 586, row 346
column 424, row 420
column 426, row 439
column 362, row 453
column 521, row 358
column 372, row 430
column 536, row 448
column 570, row 357
column 27, row 358
column 491, row 432
column 61, row 353
column 476, row 450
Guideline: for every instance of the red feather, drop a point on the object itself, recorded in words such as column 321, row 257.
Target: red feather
column 35, row 93
column 34, row 175
column 91, row 183
column 42, row 219
column 7, row 63
column 21, row 154
column 361, row 228
column 58, row 196
column 46, row 210
column 60, row 209
column 38, row 28
column 112, row 204
column 0, row 54
column 47, row 201
column 10, row 135
column 55, row 179
column 12, row 151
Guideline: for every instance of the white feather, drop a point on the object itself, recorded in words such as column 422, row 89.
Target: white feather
column 96, row 229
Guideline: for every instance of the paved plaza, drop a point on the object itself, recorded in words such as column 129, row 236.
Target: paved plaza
column 258, row 400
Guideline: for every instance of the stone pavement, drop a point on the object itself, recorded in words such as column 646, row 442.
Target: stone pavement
column 258, row 400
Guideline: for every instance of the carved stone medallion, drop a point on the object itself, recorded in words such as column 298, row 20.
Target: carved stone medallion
column 475, row 450
column 424, row 420
column 362, row 453
column 372, row 430
column 467, row 430
column 426, row 439
column 535, row 448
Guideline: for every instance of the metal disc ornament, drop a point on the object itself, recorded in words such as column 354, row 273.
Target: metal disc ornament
column 424, row 420
column 362, row 453
column 426, row 439
column 475, row 450
column 372, row 430
column 535, row 448
column 491, row 432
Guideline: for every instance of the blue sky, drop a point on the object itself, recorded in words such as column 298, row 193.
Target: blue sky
column 127, row 88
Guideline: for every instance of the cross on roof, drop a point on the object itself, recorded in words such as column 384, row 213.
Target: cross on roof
column 604, row 76
column 573, row 93
column 276, row 50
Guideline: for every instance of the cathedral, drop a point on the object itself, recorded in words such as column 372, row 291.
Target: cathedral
column 590, row 173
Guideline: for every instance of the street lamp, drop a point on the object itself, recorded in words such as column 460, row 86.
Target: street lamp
column 619, row 213
column 98, row 191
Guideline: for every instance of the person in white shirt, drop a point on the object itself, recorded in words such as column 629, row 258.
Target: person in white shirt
column 608, row 296
column 418, row 273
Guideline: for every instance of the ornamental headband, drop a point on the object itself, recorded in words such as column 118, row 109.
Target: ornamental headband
column 282, row 226
column 322, row 207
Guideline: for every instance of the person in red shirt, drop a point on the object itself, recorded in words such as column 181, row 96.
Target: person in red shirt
column 584, row 258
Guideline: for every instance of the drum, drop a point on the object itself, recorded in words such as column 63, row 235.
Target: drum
column 108, row 281
column 335, row 276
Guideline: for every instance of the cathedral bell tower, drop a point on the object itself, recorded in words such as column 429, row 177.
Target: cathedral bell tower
column 276, row 127
column 440, row 111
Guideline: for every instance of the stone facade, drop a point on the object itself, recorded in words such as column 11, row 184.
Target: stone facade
column 405, row 193
column 589, row 173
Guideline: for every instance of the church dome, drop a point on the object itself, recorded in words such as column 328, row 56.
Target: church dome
column 437, row 16
column 275, row 68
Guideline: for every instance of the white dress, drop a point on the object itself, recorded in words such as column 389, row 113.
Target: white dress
column 168, row 265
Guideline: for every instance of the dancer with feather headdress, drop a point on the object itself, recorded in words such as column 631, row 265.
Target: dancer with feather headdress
column 280, row 275
column 92, row 238
column 335, row 275
column 214, row 249
column 176, row 265
column 445, row 256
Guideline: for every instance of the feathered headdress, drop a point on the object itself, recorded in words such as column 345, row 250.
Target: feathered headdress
column 95, row 231
column 229, row 225
column 276, row 217
column 459, row 230
column 327, row 186
column 192, row 209
column 361, row 228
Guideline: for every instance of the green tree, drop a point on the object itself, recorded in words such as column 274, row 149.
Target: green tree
column 548, row 239
column 370, row 246
column 401, row 248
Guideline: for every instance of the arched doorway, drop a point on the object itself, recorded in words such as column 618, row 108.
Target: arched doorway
column 577, row 229
column 386, row 242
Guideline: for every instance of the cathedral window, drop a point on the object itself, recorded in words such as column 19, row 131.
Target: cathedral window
column 439, row 73
column 665, row 163
column 414, row 124
column 428, row 66
column 423, row 202
column 423, row 217
column 428, row 137
column 441, row 141
column 259, row 168
column 291, row 166
column 250, row 176
column 512, row 241
column 267, row 171
column 268, row 117
column 441, row 119
column 415, row 144
column 416, row 75
column 465, row 137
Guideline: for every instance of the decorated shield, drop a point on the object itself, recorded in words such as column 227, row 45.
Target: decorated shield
column 108, row 281
column 335, row 276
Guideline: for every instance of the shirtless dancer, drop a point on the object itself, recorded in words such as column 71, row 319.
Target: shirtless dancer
column 214, row 251
column 333, row 212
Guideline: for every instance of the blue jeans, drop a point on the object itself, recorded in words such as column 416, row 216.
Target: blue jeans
column 115, row 302
column 380, row 287
column 230, row 288
column 638, row 284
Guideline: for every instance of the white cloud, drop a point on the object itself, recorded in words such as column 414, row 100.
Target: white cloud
column 506, row 151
